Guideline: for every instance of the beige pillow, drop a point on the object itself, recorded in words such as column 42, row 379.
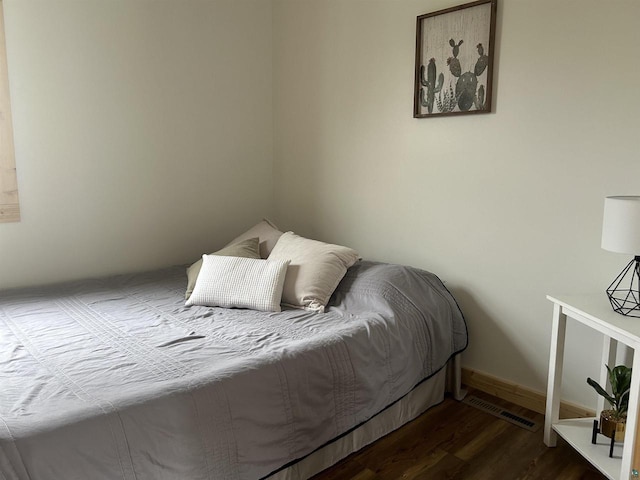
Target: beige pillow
column 248, row 248
column 266, row 231
column 236, row 282
column 314, row 271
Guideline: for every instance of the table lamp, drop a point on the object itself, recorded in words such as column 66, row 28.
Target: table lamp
column 621, row 233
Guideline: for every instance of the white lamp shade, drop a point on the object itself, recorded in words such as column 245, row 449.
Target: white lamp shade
column 621, row 224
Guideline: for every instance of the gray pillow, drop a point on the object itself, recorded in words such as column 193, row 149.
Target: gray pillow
column 249, row 248
column 266, row 231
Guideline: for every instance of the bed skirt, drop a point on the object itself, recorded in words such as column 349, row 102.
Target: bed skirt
column 426, row 395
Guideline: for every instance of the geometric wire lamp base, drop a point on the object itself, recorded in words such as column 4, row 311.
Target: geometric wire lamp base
column 624, row 291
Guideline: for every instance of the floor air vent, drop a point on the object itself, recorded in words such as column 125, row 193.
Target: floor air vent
column 502, row 413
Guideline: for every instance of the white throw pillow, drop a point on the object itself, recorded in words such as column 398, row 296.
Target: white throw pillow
column 237, row 282
column 314, row 271
column 249, row 248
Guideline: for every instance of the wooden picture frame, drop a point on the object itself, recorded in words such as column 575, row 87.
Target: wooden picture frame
column 454, row 60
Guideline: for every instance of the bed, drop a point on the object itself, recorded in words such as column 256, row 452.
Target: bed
column 117, row 379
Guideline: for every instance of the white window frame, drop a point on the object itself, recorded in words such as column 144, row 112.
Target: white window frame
column 9, row 205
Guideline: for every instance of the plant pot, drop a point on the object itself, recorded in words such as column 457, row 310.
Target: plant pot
column 610, row 426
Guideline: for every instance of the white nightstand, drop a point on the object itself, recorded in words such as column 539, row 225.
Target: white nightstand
column 595, row 312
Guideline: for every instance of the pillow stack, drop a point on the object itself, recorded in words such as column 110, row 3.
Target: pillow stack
column 264, row 267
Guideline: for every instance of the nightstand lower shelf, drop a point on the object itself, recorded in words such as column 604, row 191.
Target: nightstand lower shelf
column 577, row 433
column 595, row 312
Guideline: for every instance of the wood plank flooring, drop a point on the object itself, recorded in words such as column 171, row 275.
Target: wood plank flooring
column 458, row 442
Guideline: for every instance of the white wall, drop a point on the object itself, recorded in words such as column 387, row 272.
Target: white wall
column 145, row 135
column 505, row 207
column 143, row 132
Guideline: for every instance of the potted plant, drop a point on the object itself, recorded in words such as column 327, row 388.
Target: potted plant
column 613, row 420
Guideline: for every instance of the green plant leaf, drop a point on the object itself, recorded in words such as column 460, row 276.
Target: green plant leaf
column 620, row 382
column 625, row 377
column 622, row 375
column 613, row 379
column 624, row 400
column 601, row 391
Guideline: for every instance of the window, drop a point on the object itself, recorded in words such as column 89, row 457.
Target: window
column 9, row 207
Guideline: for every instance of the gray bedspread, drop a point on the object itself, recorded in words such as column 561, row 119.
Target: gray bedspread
column 117, row 379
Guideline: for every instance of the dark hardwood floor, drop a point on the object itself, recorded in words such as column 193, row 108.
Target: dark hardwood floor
column 457, row 441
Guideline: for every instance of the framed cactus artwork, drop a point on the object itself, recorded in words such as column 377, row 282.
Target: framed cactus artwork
column 454, row 60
